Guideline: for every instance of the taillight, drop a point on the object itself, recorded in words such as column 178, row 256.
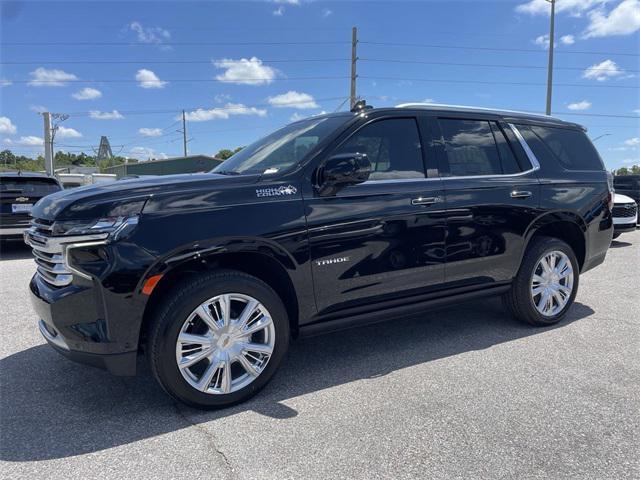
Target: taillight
column 610, row 200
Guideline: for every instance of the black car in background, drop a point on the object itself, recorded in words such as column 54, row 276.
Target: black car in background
column 333, row 221
column 19, row 191
column 628, row 185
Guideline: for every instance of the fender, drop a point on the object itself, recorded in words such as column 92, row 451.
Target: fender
column 548, row 218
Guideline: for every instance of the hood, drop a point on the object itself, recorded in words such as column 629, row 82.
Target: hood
column 619, row 198
column 95, row 201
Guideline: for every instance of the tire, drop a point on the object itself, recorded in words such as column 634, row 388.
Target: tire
column 184, row 302
column 520, row 300
column 616, row 235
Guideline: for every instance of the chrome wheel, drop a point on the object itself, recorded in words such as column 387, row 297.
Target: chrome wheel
column 225, row 344
column 552, row 283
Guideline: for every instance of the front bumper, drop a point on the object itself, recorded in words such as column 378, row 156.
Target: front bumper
column 13, row 228
column 624, row 227
column 73, row 321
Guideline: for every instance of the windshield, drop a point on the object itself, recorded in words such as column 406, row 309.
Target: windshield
column 282, row 149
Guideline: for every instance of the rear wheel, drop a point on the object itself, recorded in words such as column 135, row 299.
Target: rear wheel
column 218, row 339
column 547, row 283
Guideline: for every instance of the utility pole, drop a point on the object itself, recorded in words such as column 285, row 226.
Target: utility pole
column 48, row 144
column 184, row 133
column 354, row 60
column 551, row 44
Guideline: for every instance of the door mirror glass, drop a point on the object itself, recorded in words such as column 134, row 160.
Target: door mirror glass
column 341, row 170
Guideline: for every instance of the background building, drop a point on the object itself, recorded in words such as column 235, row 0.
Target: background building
column 169, row 166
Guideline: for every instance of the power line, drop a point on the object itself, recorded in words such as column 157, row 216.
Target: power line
column 491, row 65
column 161, row 62
column 496, row 49
column 173, row 44
column 481, row 82
column 228, row 107
column 180, row 80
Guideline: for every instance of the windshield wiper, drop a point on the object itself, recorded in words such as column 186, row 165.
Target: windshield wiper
column 227, row 172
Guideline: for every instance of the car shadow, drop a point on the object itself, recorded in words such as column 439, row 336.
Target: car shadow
column 53, row 408
column 619, row 244
column 14, row 250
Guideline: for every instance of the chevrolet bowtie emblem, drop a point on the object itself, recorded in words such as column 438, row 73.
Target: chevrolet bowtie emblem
column 22, row 199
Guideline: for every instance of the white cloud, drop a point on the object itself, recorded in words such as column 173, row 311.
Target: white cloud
column 5, row 82
column 624, row 19
column 29, row 141
column 296, row 116
column 293, row 99
column 65, row 132
column 87, row 94
column 203, row 115
column 222, row 97
column 44, row 77
column 6, row 127
column 150, row 132
column 278, row 12
column 142, row 153
column 542, row 40
column 326, row 12
column 288, row 2
column 148, row 79
column 245, row 71
column 632, row 142
column 428, row 100
column 154, row 35
column 583, row 105
column 603, row 71
column 98, row 115
column 542, row 7
column 38, row 108
column 567, row 40
column 637, row 111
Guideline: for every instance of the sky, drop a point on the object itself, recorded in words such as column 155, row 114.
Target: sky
column 242, row 69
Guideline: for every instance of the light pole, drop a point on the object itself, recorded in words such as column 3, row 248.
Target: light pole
column 550, row 66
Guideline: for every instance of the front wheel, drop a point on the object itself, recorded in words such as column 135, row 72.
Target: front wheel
column 218, row 339
column 546, row 284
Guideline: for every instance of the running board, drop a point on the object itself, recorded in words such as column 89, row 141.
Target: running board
column 350, row 321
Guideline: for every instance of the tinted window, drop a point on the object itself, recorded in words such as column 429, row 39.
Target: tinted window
column 30, row 186
column 477, row 147
column 622, row 182
column 571, row 148
column 507, row 158
column 393, row 148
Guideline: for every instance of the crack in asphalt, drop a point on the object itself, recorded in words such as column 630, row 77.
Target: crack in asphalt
column 211, row 440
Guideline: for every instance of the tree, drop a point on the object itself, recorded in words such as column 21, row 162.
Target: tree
column 226, row 153
column 622, row 171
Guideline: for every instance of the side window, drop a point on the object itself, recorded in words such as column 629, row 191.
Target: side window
column 571, row 148
column 470, row 148
column 393, row 147
column 507, row 158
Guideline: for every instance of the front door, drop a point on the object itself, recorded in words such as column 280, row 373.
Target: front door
column 382, row 239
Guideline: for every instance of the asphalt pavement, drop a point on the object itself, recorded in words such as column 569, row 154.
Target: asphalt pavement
column 462, row 392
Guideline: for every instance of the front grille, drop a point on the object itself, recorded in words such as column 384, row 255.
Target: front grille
column 47, row 254
column 625, row 211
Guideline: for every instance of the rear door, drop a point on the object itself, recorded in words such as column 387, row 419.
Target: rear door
column 492, row 196
column 382, row 239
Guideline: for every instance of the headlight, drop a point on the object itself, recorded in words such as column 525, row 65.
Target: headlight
column 115, row 226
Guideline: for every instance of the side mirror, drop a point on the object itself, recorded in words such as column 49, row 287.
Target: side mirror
column 342, row 170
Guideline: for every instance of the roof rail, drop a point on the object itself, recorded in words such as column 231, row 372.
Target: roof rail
column 435, row 106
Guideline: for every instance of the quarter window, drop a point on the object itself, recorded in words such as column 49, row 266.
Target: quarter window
column 477, row 147
column 393, row 147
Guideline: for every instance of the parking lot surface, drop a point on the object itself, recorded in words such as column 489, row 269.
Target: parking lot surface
column 461, row 392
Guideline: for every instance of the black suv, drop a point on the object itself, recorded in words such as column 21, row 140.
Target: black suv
column 18, row 193
column 329, row 222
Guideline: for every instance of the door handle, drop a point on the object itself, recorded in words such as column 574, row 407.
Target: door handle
column 425, row 201
column 520, row 194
